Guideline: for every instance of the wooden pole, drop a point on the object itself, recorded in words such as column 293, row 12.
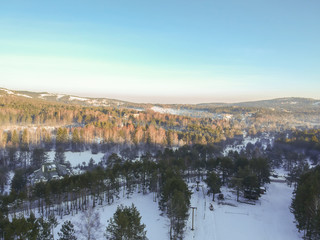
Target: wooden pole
column 193, row 217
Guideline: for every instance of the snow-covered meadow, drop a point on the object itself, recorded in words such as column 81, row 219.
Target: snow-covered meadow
column 76, row 158
column 269, row 219
column 156, row 225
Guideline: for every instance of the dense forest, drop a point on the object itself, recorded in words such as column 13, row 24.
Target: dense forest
column 146, row 152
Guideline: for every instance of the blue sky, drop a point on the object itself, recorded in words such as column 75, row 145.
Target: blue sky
column 162, row 51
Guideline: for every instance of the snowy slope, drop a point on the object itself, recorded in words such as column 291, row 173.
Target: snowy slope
column 269, row 219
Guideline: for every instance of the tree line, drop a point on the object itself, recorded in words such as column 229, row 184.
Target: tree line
column 164, row 175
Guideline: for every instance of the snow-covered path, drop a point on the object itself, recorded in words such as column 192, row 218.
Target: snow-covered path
column 269, row 219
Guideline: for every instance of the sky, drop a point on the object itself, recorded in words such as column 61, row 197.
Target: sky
column 162, row 51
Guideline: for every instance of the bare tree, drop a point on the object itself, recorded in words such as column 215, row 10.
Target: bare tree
column 90, row 224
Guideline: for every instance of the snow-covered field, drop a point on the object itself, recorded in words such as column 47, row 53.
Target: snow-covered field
column 76, row 158
column 156, row 225
column 239, row 146
column 269, row 219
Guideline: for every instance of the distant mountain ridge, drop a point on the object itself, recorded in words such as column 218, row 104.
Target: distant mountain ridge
column 288, row 104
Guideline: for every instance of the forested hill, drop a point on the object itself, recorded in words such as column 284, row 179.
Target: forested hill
column 287, row 104
column 42, row 108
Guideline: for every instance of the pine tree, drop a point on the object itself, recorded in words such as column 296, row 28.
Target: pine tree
column 39, row 157
column 44, row 230
column 52, row 220
column 60, row 156
column 67, row 231
column 126, row 224
column 75, row 140
column 306, row 204
column 214, row 183
column 175, row 200
column 15, row 138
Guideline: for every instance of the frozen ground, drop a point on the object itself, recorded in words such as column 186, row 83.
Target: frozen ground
column 156, row 225
column 76, row 158
column 243, row 144
column 7, row 187
column 269, row 219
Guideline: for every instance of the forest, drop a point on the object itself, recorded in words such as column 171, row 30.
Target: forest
column 156, row 153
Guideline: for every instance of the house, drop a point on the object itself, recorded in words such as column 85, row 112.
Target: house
column 49, row 171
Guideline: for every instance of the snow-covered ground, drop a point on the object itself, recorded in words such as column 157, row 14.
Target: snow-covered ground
column 78, row 98
column 76, row 158
column 7, row 187
column 269, row 219
column 156, row 225
column 237, row 147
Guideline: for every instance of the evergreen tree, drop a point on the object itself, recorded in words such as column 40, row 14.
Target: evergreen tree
column 67, row 231
column 15, row 139
column 177, row 211
column 306, row 204
column 39, row 157
column 44, row 230
column 214, row 183
column 61, row 137
column 60, row 156
column 19, row 181
column 126, row 224
column 175, row 200
column 75, row 141
column 52, row 220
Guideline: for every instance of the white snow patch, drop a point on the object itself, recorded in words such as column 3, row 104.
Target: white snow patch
column 23, row 95
column 7, row 91
column 237, row 147
column 60, row 96
column 172, row 111
column 71, row 98
column 76, row 158
column 42, row 95
column 156, row 225
column 269, row 219
column 7, row 187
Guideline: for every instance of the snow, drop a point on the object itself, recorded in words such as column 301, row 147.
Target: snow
column 78, row 98
column 183, row 112
column 60, row 96
column 7, row 187
column 23, row 95
column 7, row 91
column 269, row 219
column 247, row 139
column 76, row 158
column 240, row 146
column 156, row 225
column 164, row 110
column 42, row 95
column 12, row 93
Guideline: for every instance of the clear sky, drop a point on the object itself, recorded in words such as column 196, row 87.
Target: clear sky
column 162, row 51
